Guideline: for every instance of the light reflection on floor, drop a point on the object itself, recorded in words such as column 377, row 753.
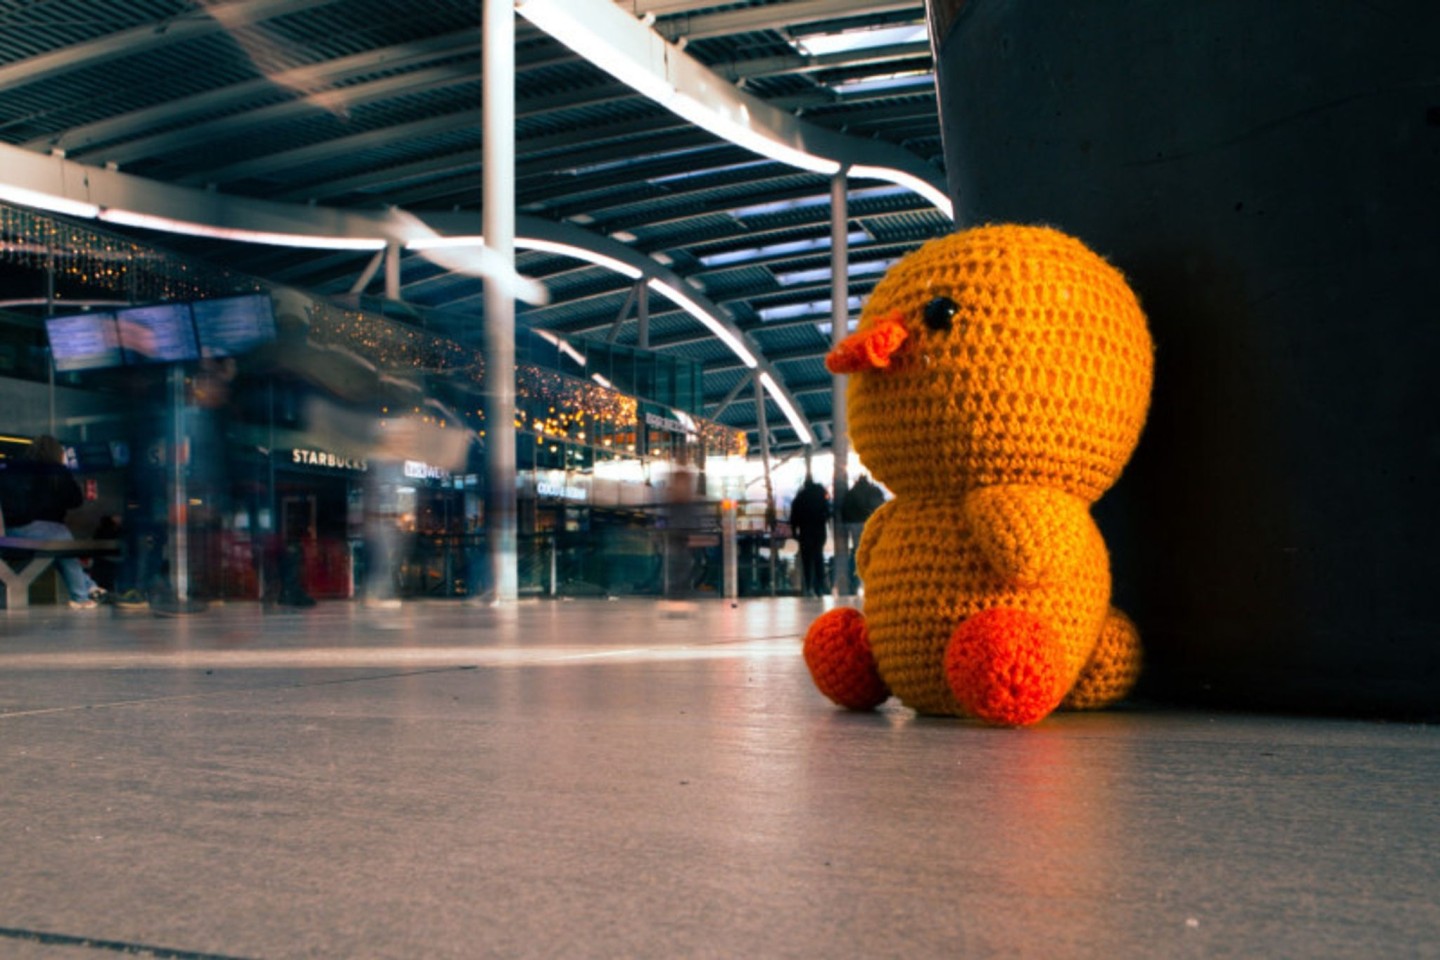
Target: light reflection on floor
column 419, row 635
column 184, row 659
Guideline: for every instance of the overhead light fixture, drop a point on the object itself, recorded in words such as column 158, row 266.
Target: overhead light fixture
column 148, row 221
column 467, row 254
column 44, row 201
column 709, row 320
column 910, row 182
column 798, row 422
column 580, row 253
column 739, row 131
column 419, row 244
column 632, row 53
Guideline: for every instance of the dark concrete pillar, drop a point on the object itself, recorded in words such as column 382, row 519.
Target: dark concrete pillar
column 1268, row 175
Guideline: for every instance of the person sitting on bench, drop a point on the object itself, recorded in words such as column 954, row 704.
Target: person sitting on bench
column 36, row 491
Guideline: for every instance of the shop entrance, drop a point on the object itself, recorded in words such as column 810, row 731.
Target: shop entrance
column 297, row 519
column 314, row 532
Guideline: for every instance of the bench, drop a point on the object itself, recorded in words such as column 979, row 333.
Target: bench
column 36, row 557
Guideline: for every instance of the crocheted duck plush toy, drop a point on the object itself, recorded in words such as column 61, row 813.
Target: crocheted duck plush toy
column 1000, row 378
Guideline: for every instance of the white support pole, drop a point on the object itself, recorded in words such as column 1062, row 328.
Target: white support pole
column 642, row 315
column 498, row 106
column 740, row 385
column 50, row 312
column 392, row 270
column 624, row 313
column 729, row 551
column 839, row 425
column 179, row 456
column 770, row 518
column 368, row 274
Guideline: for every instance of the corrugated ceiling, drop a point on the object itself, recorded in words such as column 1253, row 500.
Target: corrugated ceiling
column 375, row 104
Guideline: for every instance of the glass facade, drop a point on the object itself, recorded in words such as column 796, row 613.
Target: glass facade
column 345, row 454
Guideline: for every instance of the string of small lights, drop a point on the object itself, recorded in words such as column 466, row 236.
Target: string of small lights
column 86, row 263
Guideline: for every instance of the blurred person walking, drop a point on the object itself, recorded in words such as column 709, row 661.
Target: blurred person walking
column 810, row 519
column 861, row 500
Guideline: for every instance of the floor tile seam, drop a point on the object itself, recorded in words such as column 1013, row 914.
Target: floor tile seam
column 51, row 938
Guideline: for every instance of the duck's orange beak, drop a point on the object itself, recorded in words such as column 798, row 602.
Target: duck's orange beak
column 870, row 348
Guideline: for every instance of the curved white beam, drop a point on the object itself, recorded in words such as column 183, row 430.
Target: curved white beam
column 64, row 186
column 632, row 52
column 532, row 233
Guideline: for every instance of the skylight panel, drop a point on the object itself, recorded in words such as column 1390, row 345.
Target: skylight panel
column 624, row 163
column 731, row 257
column 819, row 200
column 851, row 325
column 908, row 80
column 709, row 171
column 814, row 308
column 863, row 268
column 820, row 44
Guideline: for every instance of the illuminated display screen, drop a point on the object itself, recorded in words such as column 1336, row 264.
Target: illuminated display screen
column 84, row 341
column 164, row 333
column 233, row 325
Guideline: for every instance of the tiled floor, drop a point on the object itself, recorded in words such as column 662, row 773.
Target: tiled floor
column 595, row 779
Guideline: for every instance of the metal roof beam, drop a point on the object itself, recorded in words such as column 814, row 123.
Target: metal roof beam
column 78, row 141
column 631, row 51
column 779, row 356
column 146, row 37
column 674, row 24
column 341, row 146
column 562, row 237
column 800, row 63
column 329, row 149
column 173, row 141
column 810, row 388
column 468, row 162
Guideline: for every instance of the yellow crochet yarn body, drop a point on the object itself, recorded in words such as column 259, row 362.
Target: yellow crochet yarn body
column 1000, row 380
column 925, row 571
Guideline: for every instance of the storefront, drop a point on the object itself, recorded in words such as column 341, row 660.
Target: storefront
column 273, row 463
column 316, row 498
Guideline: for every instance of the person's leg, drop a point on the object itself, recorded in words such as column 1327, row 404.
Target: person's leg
column 77, row 581
column 852, row 539
column 813, row 563
column 382, row 551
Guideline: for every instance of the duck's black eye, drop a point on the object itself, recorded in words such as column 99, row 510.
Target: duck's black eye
column 939, row 313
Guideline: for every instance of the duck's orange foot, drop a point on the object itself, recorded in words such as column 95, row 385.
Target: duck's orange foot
column 837, row 651
column 1005, row 667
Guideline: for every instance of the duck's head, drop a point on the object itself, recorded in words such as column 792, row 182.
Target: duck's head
column 1002, row 354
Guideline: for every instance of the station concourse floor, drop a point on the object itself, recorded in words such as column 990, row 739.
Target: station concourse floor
column 596, row 779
